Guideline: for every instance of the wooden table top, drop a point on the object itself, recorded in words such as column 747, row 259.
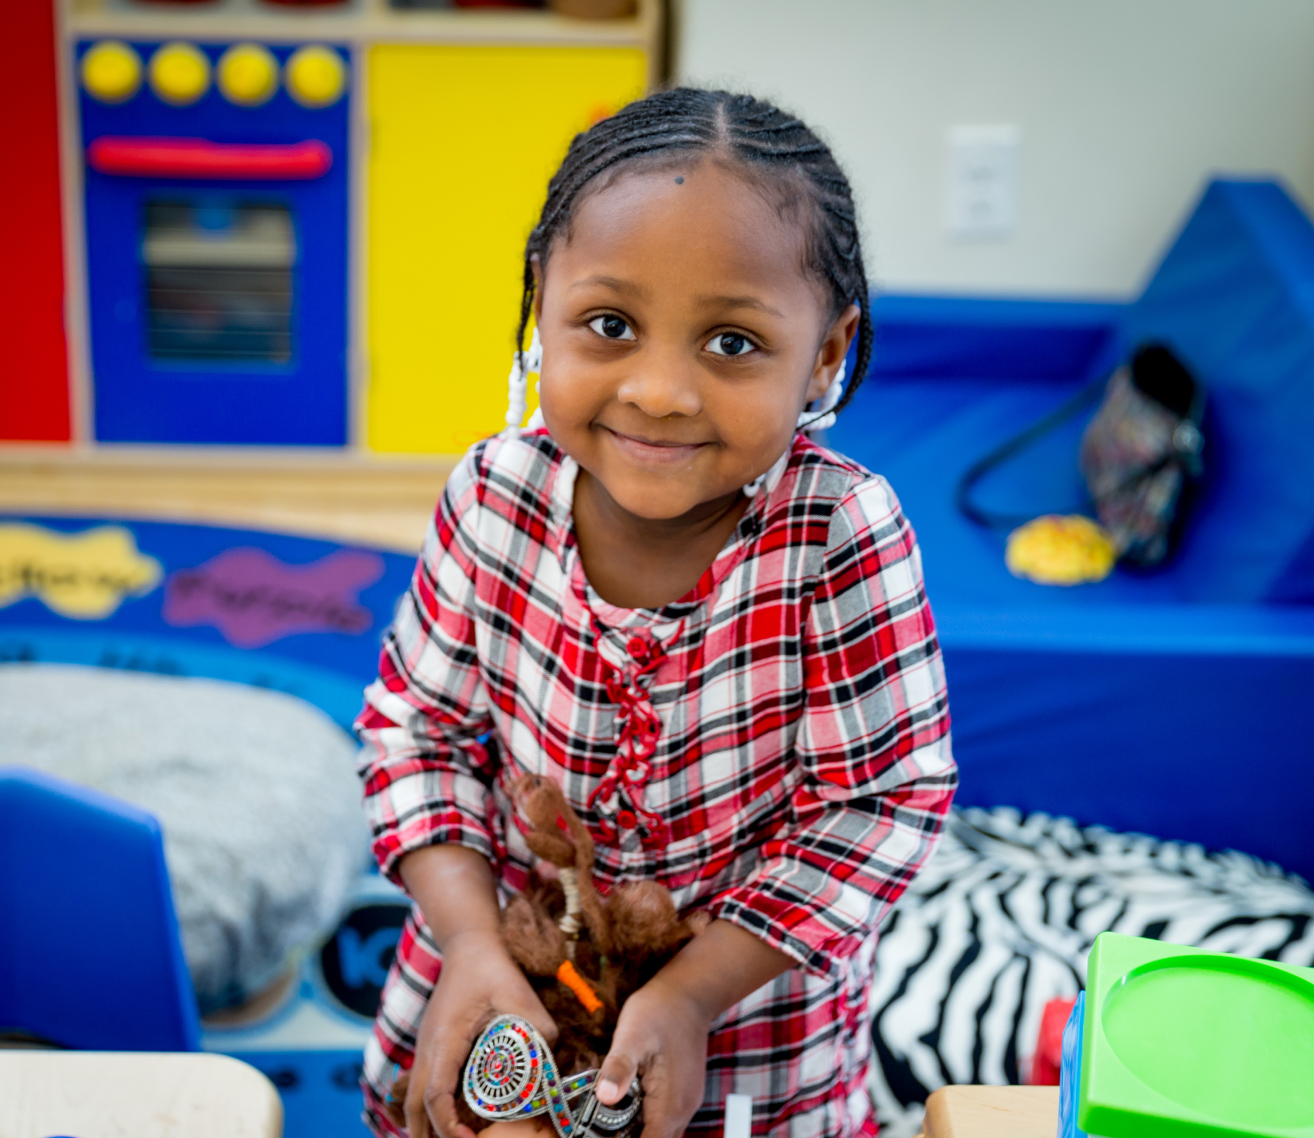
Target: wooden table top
column 992, row 1112
column 97, row 1094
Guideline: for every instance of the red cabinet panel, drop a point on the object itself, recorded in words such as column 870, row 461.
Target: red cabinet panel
column 34, row 395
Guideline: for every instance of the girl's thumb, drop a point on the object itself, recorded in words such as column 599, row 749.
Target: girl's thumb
column 618, row 1071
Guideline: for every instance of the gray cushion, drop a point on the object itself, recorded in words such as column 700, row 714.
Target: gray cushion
column 255, row 791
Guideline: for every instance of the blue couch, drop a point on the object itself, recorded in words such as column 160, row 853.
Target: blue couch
column 1178, row 703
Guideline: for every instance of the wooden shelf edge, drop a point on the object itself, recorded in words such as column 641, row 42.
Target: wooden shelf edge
column 382, row 504
column 370, row 26
column 57, row 455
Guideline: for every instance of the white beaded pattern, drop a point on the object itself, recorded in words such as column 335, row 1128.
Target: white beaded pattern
column 518, row 383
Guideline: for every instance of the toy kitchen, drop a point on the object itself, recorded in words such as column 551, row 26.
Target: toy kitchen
column 299, row 224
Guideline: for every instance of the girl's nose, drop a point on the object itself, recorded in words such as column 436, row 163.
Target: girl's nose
column 660, row 386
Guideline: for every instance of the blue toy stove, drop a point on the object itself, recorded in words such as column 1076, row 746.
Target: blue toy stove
column 216, row 238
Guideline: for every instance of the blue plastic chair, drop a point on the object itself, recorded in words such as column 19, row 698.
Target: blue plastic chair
column 90, row 955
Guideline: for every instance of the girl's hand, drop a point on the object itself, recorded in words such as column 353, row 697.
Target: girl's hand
column 455, row 891
column 662, row 1031
column 662, row 1034
column 478, row 981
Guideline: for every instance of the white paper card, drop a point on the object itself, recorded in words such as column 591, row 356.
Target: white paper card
column 738, row 1116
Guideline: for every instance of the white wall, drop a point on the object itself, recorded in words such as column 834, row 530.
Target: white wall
column 1125, row 106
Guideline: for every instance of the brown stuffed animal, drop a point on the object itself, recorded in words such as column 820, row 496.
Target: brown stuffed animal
column 584, row 954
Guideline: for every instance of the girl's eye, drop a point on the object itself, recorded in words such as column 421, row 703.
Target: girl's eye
column 730, row 344
column 612, row 327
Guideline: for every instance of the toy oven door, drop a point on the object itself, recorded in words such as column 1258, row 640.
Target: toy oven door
column 218, row 309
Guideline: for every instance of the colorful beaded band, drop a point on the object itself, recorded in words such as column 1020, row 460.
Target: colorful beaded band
column 511, row 1073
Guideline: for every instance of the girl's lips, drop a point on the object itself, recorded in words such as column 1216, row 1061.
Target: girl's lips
column 641, row 450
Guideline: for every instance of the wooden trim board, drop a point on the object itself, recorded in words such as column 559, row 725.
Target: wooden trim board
column 992, row 1112
column 383, row 504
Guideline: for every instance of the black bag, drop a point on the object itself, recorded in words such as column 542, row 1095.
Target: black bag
column 1141, row 455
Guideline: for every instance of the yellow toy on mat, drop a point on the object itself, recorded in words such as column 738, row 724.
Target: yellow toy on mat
column 1060, row 550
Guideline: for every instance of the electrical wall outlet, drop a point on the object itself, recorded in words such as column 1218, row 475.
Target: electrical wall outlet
column 981, row 197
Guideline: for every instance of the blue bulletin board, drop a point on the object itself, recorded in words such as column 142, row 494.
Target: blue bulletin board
column 299, row 615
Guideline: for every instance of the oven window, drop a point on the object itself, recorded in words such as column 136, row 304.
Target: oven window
column 219, row 281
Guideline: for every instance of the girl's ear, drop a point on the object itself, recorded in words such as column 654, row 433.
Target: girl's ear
column 536, row 267
column 832, row 351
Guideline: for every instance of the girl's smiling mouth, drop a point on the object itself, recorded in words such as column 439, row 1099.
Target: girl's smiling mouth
column 652, row 451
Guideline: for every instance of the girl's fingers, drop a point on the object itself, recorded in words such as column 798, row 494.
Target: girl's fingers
column 662, row 1116
column 445, row 1040
column 441, row 1109
column 417, row 1120
column 620, row 1066
column 652, row 1035
column 439, row 1093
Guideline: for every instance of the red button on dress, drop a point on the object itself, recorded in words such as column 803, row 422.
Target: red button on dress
column 626, row 819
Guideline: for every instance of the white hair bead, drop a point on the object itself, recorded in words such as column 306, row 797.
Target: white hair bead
column 517, row 382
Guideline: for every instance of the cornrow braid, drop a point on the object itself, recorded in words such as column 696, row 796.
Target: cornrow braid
column 746, row 130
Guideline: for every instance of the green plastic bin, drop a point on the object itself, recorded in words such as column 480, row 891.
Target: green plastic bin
column 1182, row 1043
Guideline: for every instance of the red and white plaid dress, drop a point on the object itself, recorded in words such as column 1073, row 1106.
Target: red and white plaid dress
column 773, row 747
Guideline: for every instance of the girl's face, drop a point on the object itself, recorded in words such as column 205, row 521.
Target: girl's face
column 682, row 336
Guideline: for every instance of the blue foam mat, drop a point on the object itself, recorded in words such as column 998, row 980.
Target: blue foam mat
column 1120, row 703
column 320, row 1090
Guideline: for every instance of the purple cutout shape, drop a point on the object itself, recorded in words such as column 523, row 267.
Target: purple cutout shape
column 254, row 599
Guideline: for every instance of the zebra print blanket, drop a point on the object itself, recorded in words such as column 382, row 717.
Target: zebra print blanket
column 1002, row 917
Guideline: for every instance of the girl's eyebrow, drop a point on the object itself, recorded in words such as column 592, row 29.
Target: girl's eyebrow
column 616, row 284
column 740, row 302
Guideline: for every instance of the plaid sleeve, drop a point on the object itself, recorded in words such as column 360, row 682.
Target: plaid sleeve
column 427, row 774
column 873, row 744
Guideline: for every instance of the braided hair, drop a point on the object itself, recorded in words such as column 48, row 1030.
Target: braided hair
column 756, row 135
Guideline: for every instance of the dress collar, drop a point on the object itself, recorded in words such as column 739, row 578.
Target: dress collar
column 562, row 541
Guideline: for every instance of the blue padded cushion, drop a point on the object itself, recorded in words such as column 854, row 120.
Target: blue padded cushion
column 1115, row 703
column 1234, row 297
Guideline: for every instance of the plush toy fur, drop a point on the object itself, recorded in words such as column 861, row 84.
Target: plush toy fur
column 624, row 938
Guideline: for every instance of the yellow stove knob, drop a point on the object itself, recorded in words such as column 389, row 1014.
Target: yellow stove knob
column 247, row 74
column 179, row 73
column 315, row 76
column 111, row 71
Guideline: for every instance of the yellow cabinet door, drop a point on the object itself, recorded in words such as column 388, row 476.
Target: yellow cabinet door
column 463, row 140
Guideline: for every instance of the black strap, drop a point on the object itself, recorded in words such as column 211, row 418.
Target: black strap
column 963, row 495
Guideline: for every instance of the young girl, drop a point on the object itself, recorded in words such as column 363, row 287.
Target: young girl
column 710, row 632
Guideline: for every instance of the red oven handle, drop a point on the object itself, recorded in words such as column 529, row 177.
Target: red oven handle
column 199, row 158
